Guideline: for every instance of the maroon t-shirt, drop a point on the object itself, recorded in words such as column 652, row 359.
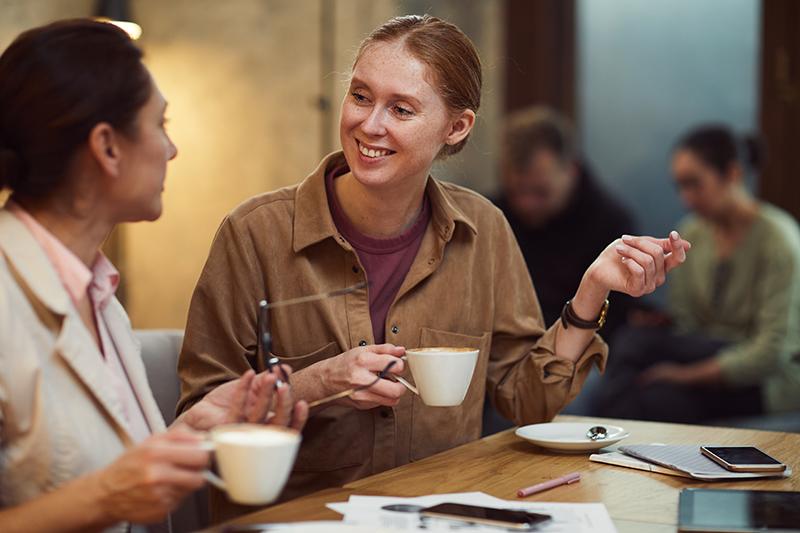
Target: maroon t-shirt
column 386, row 261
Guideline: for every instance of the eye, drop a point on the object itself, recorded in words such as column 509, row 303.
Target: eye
column 402, row 111
column 359, row 98
column 164, row 122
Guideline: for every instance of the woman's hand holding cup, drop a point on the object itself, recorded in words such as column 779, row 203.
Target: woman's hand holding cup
column 149, row 480
column 360, row 366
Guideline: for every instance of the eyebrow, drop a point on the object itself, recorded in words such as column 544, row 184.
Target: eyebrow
column 397, row 96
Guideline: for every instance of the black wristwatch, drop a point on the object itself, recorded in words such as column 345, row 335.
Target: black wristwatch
column 569, row 318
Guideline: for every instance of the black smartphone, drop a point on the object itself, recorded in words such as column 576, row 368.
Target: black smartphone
column 742, row 459
column 521, row 520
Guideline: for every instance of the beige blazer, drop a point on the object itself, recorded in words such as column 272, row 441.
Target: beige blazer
column 59, row 416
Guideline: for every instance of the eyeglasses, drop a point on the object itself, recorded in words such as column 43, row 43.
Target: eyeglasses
column 349, row 392
column 264, row 335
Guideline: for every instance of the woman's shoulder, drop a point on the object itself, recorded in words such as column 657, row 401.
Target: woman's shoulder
column 473, row 204
column 780, row 230
column 265, row 204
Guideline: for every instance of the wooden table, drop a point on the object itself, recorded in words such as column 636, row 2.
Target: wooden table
column 637, row 501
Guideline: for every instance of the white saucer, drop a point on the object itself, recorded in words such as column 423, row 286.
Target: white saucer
column 569, row 437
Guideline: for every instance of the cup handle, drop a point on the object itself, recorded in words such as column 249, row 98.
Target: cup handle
column 210, row 476
column 215, row 480
column 408, row 385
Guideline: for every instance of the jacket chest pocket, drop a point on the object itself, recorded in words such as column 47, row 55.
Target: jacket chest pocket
column 436, row 429
column 297, row 362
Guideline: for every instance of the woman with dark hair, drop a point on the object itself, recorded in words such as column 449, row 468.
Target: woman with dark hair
column 83, row 148
column 442, row 264
column 734, row 348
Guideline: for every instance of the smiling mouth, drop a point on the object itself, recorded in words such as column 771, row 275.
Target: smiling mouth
column 373, row 153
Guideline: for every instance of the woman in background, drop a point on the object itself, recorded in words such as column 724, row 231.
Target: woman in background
column 83, row 148
column 734, row 348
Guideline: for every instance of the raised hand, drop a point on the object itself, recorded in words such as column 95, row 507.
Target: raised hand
column 638, row 265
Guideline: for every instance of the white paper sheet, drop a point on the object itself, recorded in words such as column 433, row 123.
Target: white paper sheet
column 566, row 517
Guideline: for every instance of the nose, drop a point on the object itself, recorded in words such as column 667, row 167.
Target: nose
column 173, row 150
column 373, row 125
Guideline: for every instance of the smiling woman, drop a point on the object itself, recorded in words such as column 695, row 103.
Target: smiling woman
column 441, row 262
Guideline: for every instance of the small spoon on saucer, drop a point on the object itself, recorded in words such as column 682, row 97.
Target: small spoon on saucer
column 597, row 433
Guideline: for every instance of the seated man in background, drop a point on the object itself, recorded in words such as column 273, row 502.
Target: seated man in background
column 734, row 346
column 560, row 214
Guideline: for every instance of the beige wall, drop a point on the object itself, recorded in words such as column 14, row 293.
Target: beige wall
column 244, row 79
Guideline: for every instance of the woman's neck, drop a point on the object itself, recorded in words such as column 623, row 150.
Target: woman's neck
column 739, row 216
column 381, row 213
column 82, row 229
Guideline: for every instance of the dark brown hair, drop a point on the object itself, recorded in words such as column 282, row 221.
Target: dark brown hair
column 537, row 128
column 717, row 146
column 447, row 51
column 57, row 82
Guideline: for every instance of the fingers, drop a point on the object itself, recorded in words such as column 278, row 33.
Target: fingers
column 179, row 455
column 260, row 396
column 376, row 361
column 186, row 480
column 388, row 389
column 388, row 349
column 239, row 400
column 284, row 405
column 366, row 399
column 674, row 248
column 678, row 249
column 632, row 254
column 299, row 415
column 654, row 266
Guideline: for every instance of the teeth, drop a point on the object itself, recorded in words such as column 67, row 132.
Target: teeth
column 372, row 153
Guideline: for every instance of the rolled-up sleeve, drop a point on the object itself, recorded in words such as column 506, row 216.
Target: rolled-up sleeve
column 528, row 382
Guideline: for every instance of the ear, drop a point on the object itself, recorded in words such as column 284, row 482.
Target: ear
column 735, row 173
column 105, row 148
column 460, row 127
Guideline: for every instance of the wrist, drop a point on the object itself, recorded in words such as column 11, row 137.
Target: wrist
column 98, row 510
column 590, row 297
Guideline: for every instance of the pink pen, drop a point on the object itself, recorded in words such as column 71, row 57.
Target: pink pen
column 539, row 487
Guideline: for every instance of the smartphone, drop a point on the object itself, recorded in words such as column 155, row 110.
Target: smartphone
column 742, row 459
column 520, row 520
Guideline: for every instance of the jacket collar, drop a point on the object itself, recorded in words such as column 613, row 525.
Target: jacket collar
column 313, row 222
column 72, row 340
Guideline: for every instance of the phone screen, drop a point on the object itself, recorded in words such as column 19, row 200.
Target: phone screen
column 742, row 455
column 738, row 510
column 485, row 513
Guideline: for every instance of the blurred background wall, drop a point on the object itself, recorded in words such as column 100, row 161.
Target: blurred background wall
column 649, row 71
column 255, row 87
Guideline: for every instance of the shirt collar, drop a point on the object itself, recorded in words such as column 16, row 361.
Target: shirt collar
column 313, row 221
column 101, row 281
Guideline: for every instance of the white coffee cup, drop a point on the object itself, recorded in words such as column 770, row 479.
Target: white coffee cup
column 253, row 460
column 442, row 374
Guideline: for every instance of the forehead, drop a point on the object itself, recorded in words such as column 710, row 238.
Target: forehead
column 390, row 68
column 685, row 160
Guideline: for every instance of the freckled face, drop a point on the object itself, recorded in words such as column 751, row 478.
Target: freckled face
column 393, row 121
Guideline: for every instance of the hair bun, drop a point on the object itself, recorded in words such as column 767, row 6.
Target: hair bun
column 10, row 168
